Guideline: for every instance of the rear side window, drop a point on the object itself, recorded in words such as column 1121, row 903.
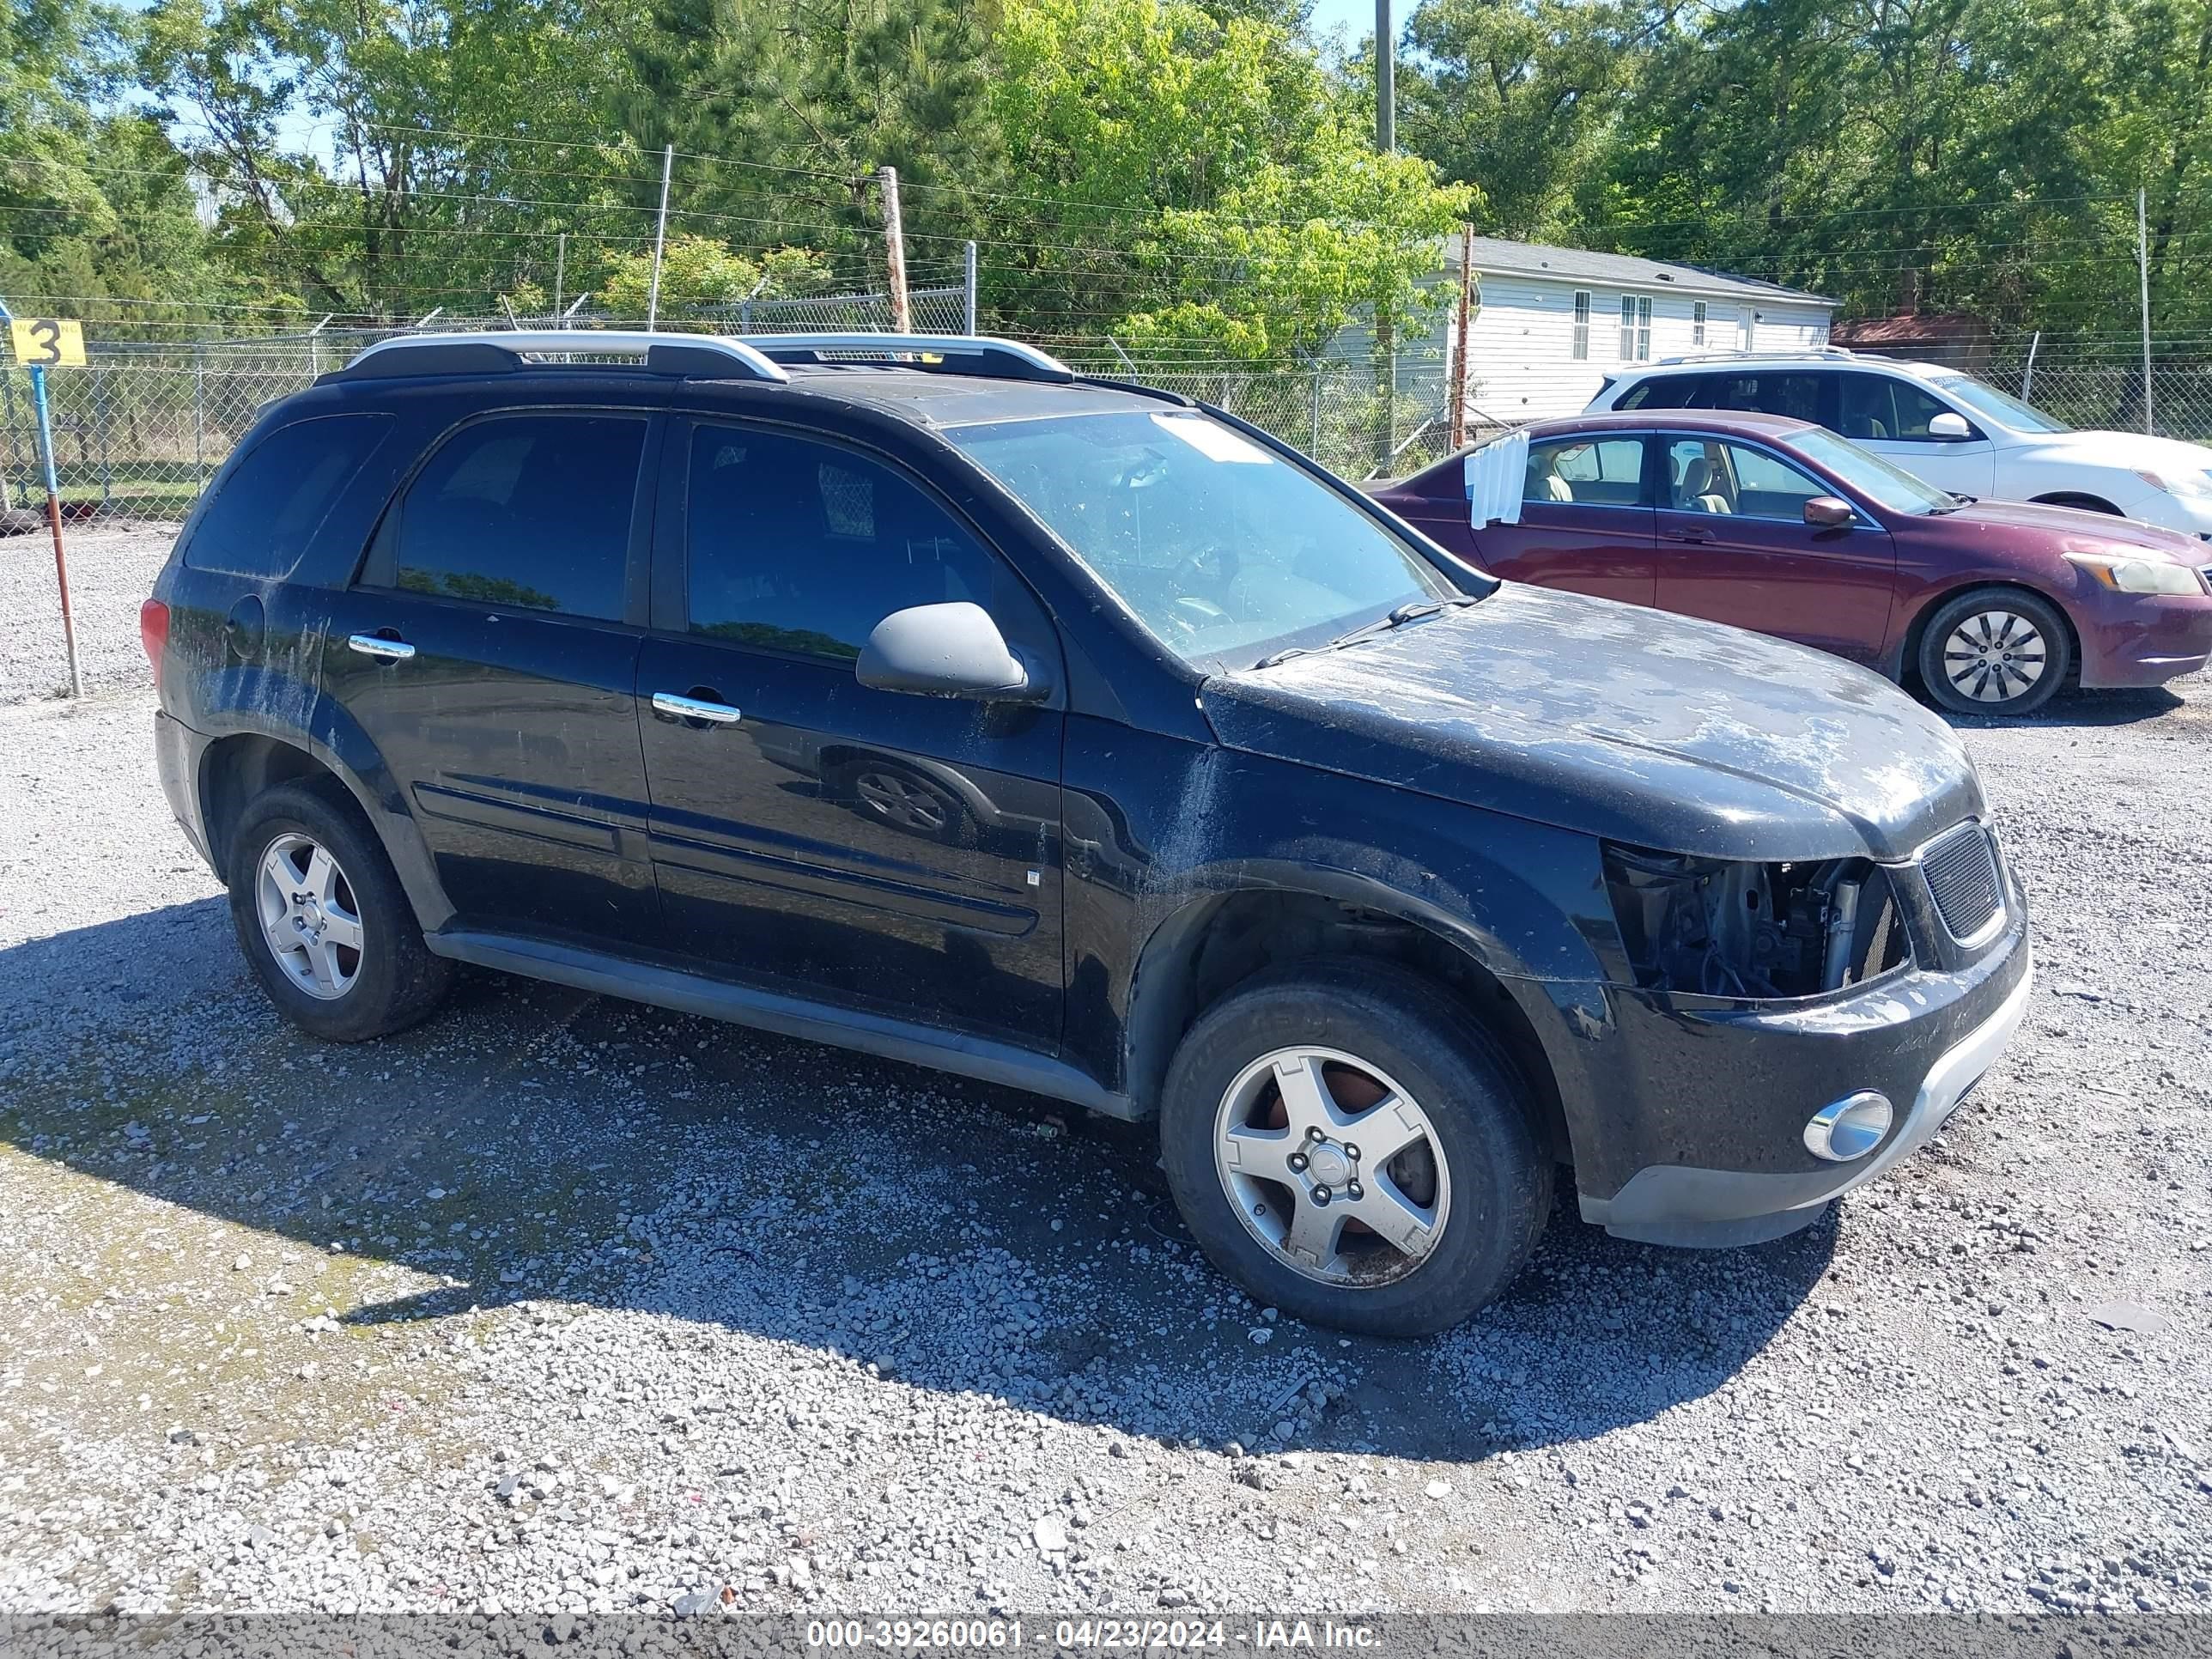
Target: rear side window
column 270, row 505
column 526, row 510
column 1663, row 391
column 1609, row 472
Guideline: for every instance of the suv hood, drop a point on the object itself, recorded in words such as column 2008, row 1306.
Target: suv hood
column 1608, row 719
column 2125, row 449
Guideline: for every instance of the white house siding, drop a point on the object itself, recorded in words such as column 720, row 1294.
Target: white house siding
column 1520, row 359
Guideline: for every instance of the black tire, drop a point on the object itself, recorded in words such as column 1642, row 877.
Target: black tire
column 395, row 980
column 1499, row 1173
column 1985, row 662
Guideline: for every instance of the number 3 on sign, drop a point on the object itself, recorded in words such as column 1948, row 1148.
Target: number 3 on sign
column 48, row 342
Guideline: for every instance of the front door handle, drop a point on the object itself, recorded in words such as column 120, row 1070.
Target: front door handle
column 694, row 708
column 384, row 650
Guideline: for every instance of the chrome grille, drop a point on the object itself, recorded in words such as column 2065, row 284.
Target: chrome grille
column 1961, row 870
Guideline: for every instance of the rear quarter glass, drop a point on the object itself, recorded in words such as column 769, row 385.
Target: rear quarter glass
column 271, row 502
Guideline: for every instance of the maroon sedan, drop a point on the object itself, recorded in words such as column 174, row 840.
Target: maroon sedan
column 1780, row 525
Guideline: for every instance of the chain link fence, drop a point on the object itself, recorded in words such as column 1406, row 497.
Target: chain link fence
column 2102, row 394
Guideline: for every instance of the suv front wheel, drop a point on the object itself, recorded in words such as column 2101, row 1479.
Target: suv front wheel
column 323, row 921
column 1348, row 1146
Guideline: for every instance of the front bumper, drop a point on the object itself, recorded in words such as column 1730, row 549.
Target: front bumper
column 2137, row 640
column 1693, row 1205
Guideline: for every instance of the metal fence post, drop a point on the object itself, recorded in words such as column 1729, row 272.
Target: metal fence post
column 967, row 310
column 1314, row 451
column 199, row 416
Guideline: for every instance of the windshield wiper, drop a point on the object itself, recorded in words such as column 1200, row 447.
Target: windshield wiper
column 1412, row 611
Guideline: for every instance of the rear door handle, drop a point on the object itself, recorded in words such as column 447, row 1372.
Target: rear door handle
column 1687, row 535
column 694, row 708
column 384, row 650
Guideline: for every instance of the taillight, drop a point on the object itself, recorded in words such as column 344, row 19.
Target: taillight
column 153, row 634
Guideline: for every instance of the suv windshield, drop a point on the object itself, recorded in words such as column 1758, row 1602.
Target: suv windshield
column 2000, row 406
column 1871, row 476
column 1223, row 549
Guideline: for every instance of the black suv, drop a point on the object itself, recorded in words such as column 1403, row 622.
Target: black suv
column 916, row 694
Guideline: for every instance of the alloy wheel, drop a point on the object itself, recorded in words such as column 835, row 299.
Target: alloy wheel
column 310, row 918
column 1334, row 1169
column 1995, row 656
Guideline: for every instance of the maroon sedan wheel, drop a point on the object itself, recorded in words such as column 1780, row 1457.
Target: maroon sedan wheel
column 1995, row 651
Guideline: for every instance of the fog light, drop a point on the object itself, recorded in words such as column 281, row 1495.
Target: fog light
column 1850, row 1127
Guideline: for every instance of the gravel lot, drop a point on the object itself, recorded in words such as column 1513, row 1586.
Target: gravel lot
column 562, row 1304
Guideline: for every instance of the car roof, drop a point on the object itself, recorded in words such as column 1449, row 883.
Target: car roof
column 1832, row 358
column 1745, row 422
column 939, row 398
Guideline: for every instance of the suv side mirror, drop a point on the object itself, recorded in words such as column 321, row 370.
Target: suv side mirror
column 952, row 650
column 1827, row 511
column 1949, row 427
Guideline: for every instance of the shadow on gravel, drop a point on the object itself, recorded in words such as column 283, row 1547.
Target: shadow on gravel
column 2086, row 708
column 530, row 1143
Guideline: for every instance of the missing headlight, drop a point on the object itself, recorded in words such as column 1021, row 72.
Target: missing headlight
column 1730, row 929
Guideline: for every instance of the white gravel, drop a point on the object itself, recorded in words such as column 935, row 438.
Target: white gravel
column 110, row 571
column 560, row 1304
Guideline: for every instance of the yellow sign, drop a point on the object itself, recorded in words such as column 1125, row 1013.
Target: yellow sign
column 49, row 342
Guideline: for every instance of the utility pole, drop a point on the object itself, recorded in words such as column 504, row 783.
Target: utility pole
column 1386, row 140
column 2143, row 273
column 1385, row 81
column 1459, row 336
column 659, row 242
column 895, row 251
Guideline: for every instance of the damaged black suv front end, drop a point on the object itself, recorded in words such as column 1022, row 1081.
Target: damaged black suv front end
column 1834, row 1013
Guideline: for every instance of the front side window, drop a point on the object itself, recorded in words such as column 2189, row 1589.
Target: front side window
column 1711, row 475
column 1871, row 476
column 1606, row 473
column 531, row 511
column 1883, row 406
column 1581, row 324
column 798, row 545
column 1225, row 550
column 271, row 502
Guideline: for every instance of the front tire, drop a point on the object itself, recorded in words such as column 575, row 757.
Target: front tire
column 324, row 922
column 1995, row 651
column 1349, row 1146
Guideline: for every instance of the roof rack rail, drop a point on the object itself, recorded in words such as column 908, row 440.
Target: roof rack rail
column 1722, row 354
column 705, row 356
column 948, row 354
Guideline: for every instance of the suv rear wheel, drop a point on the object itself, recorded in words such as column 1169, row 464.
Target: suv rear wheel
column 1348, row 1146
column 324, row 922
column 1993, row 651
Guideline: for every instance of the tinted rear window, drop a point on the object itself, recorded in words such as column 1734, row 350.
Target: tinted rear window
column 269, row 506
column 526, row 510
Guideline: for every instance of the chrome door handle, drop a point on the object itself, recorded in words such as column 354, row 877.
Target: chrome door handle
column 384, row 650
column 694, row 708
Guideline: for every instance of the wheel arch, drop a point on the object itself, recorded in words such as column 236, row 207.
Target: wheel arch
column 2079, row 498
column 1214, row 943
column 1916, row 629
column 249, row 753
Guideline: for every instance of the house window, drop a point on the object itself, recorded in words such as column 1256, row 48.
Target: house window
column 1745, row 320
column 1698, row 322
column 1581, row 324
column 1635, row 328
